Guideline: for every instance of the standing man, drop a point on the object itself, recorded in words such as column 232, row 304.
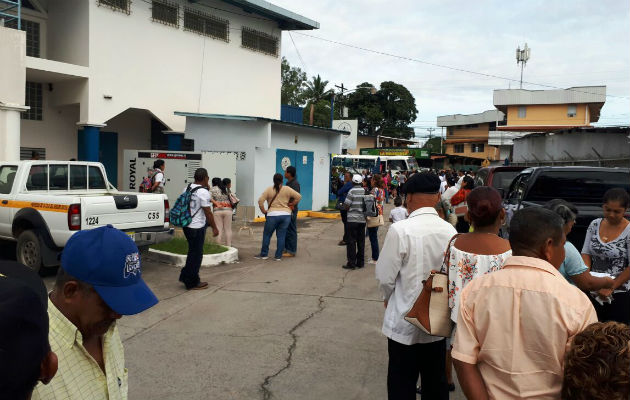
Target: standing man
column 196, row 232
column 515, row 325
column 355, row 243
column 413, row 247
column 341, row 195
column 158, row 179
column 290, row 244
column 99, row 281
column 25, row 355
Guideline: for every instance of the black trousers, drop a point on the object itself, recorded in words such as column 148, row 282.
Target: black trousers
column 618, row 310
column 355, row 244
column 344, row 219
column 406, row 363
column 190, row 273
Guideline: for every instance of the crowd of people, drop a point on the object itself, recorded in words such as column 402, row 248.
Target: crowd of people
column 525, row 310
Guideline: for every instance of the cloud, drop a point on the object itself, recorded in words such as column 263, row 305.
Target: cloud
column 573, row 44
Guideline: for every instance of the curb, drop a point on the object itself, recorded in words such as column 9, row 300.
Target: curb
column 310, row 214
column 209, row 260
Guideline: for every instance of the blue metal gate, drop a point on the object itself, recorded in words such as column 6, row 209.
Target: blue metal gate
column 303, row 163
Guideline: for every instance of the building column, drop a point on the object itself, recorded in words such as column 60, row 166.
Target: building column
column 89, row 142
column 10, row 121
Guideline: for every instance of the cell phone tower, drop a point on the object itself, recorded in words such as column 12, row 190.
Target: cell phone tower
column 522, row 56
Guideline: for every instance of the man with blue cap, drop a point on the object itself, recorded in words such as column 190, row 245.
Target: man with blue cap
column 99, row 281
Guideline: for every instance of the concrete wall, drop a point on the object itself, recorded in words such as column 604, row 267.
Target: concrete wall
column 480, row 132
column 363, row 142
column 490, row 152
column 144, row 64
column 68, row 32
column 548, row 114
column 579, row 145
column 13, row 67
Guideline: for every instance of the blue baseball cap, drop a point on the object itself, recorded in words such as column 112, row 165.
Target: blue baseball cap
column 109, row 260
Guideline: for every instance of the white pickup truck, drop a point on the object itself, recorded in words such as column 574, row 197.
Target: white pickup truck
column 43, row 203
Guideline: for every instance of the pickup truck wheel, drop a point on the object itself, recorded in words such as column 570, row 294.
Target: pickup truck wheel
column 28, row 250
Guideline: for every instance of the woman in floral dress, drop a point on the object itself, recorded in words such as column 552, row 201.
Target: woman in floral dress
column 607, row 250
column 477, row 253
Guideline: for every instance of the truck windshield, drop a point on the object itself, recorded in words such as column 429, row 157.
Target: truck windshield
column 503, row 179
column 577, row 186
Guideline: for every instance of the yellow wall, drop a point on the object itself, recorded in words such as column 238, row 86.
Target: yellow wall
column 363, row 142
column 547, row 114
column 467, row 133
column 490, row 152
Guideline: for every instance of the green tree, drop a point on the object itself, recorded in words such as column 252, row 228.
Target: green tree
column 433, row 144
column 314, row 93
column 387, row 111
column 320, row 115
column 293, row 84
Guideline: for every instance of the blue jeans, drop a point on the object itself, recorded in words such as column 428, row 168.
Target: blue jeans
column 189, row 275
column 279, row 224
column 290, row 244
column 373, row 234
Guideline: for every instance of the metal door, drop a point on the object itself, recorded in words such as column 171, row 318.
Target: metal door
column 303, row 163
column 108, row 155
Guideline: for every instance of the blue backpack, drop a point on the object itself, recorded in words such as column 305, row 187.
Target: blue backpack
column 180, row 213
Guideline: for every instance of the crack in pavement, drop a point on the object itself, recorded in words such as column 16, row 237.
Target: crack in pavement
column 266, row 392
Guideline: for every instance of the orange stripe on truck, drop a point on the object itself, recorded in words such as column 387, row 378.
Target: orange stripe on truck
column 62, row 208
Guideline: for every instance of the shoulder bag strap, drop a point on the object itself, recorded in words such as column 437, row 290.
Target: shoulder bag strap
column 192, row 191
column 274, row 197
column 447, row 255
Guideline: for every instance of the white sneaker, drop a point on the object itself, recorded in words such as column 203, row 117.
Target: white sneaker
column 372, row 262
column 259, row 257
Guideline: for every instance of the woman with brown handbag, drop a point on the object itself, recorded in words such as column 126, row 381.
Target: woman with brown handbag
column 374, row 222
column 477, row 253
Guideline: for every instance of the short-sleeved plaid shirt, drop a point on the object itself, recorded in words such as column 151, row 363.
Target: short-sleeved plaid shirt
column 79, row 376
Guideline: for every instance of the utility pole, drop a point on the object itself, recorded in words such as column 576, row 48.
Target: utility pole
column 430, row 146
column 521, row 58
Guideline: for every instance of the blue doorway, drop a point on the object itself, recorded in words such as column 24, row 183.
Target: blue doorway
column 303, row 163
column 108, row 155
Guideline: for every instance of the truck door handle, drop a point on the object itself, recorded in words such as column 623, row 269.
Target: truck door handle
column 5, row 201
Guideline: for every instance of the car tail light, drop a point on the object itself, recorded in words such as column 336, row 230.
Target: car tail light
column 167, row 212
column 74, row 217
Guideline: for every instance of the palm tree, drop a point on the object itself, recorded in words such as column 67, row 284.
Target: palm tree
column 316, row 91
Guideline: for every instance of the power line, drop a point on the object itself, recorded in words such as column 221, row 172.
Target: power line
column 298, row 52
column 447, row 66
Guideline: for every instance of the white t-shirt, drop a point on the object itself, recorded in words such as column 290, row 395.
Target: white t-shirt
column 443, row 187
column 450, row 192
column 199, row 199
column 159, row 177
column 398, row 214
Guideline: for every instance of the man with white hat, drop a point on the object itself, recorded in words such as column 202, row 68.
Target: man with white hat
column 355, row 243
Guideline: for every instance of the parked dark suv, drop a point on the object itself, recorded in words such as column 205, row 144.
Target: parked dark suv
column 582, row 186
column 499, row 178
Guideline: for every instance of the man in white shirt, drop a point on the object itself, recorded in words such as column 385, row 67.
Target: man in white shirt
column 195, row 232
column 412, row 249
column 158, row 178
column 451, row 189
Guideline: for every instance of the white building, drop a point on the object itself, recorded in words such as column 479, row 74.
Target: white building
column 267, row 146
column 90, row 78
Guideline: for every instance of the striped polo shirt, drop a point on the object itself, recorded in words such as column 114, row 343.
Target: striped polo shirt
column 355, row 201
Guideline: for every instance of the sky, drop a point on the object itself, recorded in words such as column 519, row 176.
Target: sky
column 573, row 43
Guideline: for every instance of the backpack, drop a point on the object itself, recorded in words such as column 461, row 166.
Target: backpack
column 148, row 181
column 369, row 206
column 180, row 213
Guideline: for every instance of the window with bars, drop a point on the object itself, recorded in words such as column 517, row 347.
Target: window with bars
column 458, row 148
column 165, row 12
column 206, row 24
column 477, row 147
column 117, row 5
column 571, row 110
column 259, row 41
column 32, row 35
column 34, row 101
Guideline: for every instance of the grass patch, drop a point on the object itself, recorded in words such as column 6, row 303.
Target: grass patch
column 180, row 246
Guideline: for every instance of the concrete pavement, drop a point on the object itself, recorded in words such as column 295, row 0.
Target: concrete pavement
column 301, row 328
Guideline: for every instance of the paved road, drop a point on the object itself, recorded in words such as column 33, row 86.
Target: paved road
column 300, row 328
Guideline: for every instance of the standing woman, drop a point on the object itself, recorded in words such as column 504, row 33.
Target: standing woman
column 477, row 253
column 379, row 195
column 607, row 249
column 280, row 201
column 220, row 198
column 459, row 202
column 386, row 179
